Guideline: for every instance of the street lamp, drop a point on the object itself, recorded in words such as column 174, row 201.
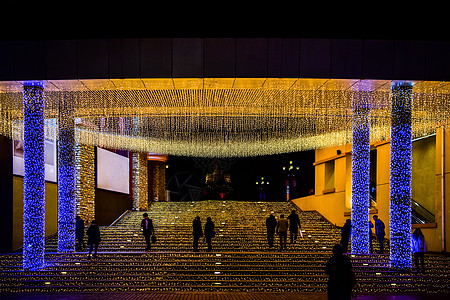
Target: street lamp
column 290, row 180
column 262, row 186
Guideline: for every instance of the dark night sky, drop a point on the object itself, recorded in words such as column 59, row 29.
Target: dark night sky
column 390, row 20
column 245, row 172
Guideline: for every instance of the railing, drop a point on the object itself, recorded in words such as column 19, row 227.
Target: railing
column 421, row 215
column 120, row 217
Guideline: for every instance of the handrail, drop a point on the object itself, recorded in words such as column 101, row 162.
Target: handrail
column 422, row 207
column 421, row 214
column 120, row 217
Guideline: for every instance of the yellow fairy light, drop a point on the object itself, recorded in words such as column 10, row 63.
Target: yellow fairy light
column 224, row 116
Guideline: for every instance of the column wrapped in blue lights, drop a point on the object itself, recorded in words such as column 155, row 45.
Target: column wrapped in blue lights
column 360, row 173
column 34, row 176
column 67, row 205
column 400, row 176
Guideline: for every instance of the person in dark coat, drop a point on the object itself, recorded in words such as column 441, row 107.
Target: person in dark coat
column 294, row 226
column 271, row 224
column 281, row 229
column 93, row 234
column 341, row 277
column 147, row 229
column 197, row 232
column 345, row 234
column 209, row 232
column 79, row 233
column 419, row 247
column 379, row 231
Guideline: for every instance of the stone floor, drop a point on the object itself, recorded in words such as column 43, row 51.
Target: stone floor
column 211, row 296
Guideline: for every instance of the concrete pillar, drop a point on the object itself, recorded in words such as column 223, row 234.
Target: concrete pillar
column 66, row 176
column 360, row 174
column 400, row 176
column 34, row 176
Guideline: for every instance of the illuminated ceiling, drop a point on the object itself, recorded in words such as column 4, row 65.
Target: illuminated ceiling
column 223, row 116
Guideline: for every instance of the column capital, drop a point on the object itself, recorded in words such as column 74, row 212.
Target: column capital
column 401, row 83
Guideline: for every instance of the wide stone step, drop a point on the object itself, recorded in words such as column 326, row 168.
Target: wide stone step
column 241, row 261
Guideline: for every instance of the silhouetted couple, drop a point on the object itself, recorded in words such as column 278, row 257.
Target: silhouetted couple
column 346, row 231
column 379, row 232
column 197, row 232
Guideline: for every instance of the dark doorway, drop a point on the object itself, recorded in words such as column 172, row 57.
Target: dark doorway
column 261, row 178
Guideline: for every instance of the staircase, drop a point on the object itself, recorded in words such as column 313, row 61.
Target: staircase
column 240, row 262
column 239, row 226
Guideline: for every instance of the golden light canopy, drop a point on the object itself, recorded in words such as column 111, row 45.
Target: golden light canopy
column 220, row 117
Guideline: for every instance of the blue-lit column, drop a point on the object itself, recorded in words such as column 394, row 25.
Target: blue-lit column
column 67, row 205
column 400, row 176
column 360, row 174
column 34, row 177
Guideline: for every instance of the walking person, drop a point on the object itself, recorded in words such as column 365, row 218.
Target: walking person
column 294, row 226
column 79, row 233
column 282, row 227
column 209, row 233
column 271, row 224
column 93, row 234
column 370, row 236
column 379, row 231
column 341, row 279
column 346, row 230
column 147, row 229
column 419, row 247
column 197, row 232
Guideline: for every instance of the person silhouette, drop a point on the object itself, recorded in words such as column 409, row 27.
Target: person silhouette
column 271, row 224
column 79, row 233
column 282, row 227
column 419, row 247
column 370, row 236
column 147, row 229
column 209, row 232
column 294, row 226
column 93, row 234
column 197, row 232
column 341, row 279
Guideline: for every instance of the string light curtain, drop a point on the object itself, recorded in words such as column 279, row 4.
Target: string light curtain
column 85, row 182
column 140, row 181
column 226, row 117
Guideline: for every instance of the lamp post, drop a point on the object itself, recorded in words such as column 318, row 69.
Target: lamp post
column 290, row 180
column 262, row 186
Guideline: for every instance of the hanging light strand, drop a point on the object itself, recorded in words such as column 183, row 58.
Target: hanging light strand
column 225, row 117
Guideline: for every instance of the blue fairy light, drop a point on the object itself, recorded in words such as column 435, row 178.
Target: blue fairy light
column 360, row 175
column 34, row 177
column 66, row 176
column 400, row 176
